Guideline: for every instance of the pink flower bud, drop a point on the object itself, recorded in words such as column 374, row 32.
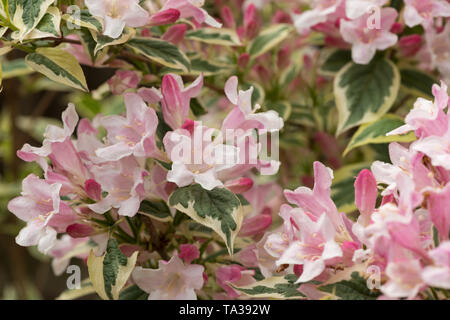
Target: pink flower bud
column 189, row 252
column 123, row 80
column 150, row 95
column 366, row 194
column 251, row 21
column 243, row 60
column 227, row 17
column 281, row 17
column 397, row 28
column 78, row 230
column 85, row 126
column 239, row 185
column 175, row 34
column 283, row 58
column 189, row 125
column 164, row 17
column 93, row 189
column 410, row 45
column 298, row 269
column 255, row 225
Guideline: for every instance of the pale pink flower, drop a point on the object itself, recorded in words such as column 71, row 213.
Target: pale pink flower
column 439, row 208
column 365, row 195
column 366, row 41
column 61, row 252
column 117, row 14
column 173, row 280
column 356, row 8
column 123, row 80
column 133, row 135
column 124, row 182
column 427, row 118
column 423, row 11
column 198, row 156
column 320, row 12
column 41, row 207
column 438, row 274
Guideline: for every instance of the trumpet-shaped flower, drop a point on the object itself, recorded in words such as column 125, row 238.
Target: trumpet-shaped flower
column 423, row 11
column 173, row 280
column 117, row 14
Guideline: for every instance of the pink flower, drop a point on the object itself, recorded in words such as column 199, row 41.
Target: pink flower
column 189, row 252
column 365, row 42
column 133, row 135
column 175, row 104
column 321, row 12
column 427, row 118
column 365, row 195
column 164, row 17
column 192, row 8
column 356, row 8
column 439, row 208
column 438, row 274
column 410, row 45
column 173, row 280
column 124, row 182
column 314, row 248
column 198, row 156
column 255, row 225
column 117, row 14
column 40, row 206
column 63, row 251
column 175, row 34
column 123, row 80
column 423, row 11
column 235, row 275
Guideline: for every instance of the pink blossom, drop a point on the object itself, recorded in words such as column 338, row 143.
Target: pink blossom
column 123, row 80
column 173, row 280
column 40, row 206
column 356, row 8
column 423, row 11
column 365, row 194
column 124, row 182
column 235, row 275
column 164, row 17
column 65, row 249
column 133, row 135
column 438, row 274
column 175, row 104
column 439, row 208
column 365, row 42
column 117, row 14
column 192, row 8
column 175, row 34
column 322, row 10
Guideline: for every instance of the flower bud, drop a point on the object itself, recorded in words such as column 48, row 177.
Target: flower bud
column 164, row 17
column 78, row 230
column 239, row 185
column 175, row 34
column 365, row 194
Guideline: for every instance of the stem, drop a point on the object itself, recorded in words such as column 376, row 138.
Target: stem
column 156, row 243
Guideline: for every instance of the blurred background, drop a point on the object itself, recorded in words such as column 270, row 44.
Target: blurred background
column 28, row 103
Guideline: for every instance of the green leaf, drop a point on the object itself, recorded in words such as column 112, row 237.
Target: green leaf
column 354, row 289
column 110, row 272
column 105, row 41
column 375, row 132
column 273, row 288
column 15, row 68
column 161, row 52
column 86, row 288
column 222, row 37
column 25, row 14
column 342, row 190
column 336, row 61
column 58, row 65
column 284, row 108
column 268, row 39
column 218, row 209
column 133, row 293
column 365, row 92
column 156, row 209
column 83, row 19
column 198, row 109
column 417, row 82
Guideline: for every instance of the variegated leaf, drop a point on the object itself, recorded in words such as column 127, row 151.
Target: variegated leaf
column 417, row 82
column 161, row 52
column 276, row 287
column 49, row 26
column 353, row 289
column 58, row 65
column 105, row 41
column 26, row 15
column 222, row 37
column 268, row 39
column 365, row 92
column 110, row 272
column 375, row 132
column 82, row 18
column 85, row 289
column 156, row 209
column 218, row 209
